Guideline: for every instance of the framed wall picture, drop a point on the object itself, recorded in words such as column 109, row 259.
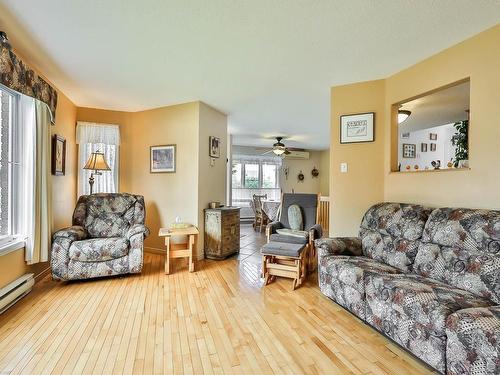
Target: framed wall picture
column 433, row 147
column 163, row 159
column 405, row 135
column 433, row 136
column 409, row 150
column 423, row 147
column 357, row 128
column 58, row 155
column 214, row 147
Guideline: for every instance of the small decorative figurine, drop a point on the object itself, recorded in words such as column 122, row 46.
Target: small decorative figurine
column 315, row 172
column 301, row 176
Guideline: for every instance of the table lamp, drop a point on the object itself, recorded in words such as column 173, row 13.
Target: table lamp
column 96, row 163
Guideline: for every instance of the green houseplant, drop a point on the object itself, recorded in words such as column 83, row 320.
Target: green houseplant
column 461, row 142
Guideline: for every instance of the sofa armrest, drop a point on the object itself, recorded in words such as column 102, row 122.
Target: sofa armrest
column 315, row 232
column 137, row 229
column 339, row 246
column 473, row 337
column 74, row 233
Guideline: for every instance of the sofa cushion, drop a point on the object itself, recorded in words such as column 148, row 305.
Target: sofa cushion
column 391, row 233
column 276, row 237
column 473, row 345
column 99, row 249
column 412, row 310
column 341, row 279
column 461, row 247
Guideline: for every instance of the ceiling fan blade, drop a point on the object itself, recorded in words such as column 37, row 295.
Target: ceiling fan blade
column 267, row 152
column 287, row 151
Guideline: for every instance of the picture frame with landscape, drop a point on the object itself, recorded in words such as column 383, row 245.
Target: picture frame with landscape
column 163, row 159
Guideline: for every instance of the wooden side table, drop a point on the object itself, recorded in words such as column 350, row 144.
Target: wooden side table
column 184, row 250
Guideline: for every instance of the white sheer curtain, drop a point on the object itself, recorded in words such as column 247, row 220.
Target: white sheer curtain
column 92, row 137
column 36, row 176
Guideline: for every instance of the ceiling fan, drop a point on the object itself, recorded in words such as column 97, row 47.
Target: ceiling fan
column 279, row 148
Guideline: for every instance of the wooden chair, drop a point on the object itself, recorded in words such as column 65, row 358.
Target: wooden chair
column 261, row 219
column 283, row 255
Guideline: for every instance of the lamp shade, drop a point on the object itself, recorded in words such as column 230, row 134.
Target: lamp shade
column 97, row 162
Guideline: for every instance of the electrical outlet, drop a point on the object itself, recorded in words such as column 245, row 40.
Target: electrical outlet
column 343, row 167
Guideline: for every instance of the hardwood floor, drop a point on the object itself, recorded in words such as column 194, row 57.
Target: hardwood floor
column 217, row 320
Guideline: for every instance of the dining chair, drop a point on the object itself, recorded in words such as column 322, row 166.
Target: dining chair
column 261, row 219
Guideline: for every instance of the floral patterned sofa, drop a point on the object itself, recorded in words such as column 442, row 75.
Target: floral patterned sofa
column 106, row 238
column 427, row 279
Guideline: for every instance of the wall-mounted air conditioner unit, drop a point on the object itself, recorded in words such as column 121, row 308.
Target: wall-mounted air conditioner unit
column 297, row 155
column 16, row 290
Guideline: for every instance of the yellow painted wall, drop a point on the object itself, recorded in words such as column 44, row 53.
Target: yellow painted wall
column 310, row 184
column 353, row 192
column 477, row 58
column 12, row 265
column 211, row 178
column 184, row 193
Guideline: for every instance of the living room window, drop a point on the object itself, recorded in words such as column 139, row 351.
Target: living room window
column 15, row 164
column 253, row 174
column 105, row 138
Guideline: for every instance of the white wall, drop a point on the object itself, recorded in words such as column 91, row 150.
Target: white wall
column 444, row 149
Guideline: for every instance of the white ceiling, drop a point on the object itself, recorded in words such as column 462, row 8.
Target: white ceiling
column 268, row 64
column 439, row 108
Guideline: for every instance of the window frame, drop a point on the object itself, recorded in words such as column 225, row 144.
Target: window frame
column 15, row 239
column 260, row 163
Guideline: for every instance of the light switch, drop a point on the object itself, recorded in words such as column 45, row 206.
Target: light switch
column 343, row 167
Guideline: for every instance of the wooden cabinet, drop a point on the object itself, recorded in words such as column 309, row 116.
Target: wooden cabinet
column 222, row 232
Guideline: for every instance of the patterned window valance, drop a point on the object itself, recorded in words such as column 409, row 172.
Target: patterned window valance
column 16, row 75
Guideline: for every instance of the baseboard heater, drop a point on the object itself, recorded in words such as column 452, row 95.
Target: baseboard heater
column 16, row 290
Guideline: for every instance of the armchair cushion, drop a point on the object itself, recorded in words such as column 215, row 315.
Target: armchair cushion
column 339, row 246
column 74, row 233
column 288, row 239
column 99, row 249
column 136, row 229
column 293, row 233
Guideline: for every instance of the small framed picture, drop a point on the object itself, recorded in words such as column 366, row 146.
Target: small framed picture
column 409, row 150
column 58, row 155
column 357, row 128
column 405, row 135
column 433, row 137
column 214, row 147
column 433, row 147
column 423, row 147
column 163, row 159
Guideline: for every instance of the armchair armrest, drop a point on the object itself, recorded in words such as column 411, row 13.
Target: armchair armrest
column 74, row 233
column 339, row 246
column 272, row 227
column 315, row 232
column 137, row 229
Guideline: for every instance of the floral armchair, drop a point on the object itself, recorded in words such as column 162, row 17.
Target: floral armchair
column 106, row 238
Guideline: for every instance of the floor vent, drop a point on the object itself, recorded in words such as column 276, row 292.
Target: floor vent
column 14, row 291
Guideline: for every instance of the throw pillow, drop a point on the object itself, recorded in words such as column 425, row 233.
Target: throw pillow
column 293, row 233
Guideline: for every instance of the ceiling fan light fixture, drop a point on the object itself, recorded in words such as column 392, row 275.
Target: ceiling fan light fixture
column 403, row 115
column 279, row 151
